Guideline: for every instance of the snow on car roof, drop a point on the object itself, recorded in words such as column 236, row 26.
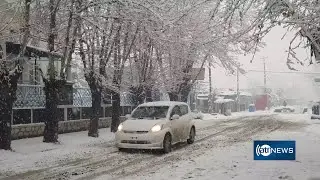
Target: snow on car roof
column 284, row 107
column 163, row 103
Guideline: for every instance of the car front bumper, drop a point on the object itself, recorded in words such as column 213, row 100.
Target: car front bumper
column 140, row 141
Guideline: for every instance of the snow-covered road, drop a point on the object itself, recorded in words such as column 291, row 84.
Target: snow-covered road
column 223, row 150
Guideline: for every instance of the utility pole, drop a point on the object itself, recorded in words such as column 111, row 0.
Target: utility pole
column 210, row 90
column 238, row 93
column 265, row 80
column 265, row 75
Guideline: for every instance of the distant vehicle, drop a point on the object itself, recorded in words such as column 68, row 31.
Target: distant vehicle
column 284, row 109
column 157, row 125
column 197, row 114
column 261, row 102
column 224, row 106
column 252, row 108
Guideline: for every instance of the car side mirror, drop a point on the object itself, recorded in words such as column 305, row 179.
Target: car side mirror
column 128, row 116
column 175, row 116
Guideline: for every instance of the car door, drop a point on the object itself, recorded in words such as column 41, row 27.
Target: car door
column 185, row 120
column 176, row 124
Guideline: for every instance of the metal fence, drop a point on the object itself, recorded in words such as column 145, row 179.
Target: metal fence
column 30, row 105
column 33, row 96
column 30, row 96
column 66, row 113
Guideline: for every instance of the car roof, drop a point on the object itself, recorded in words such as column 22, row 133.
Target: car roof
column 163, row 103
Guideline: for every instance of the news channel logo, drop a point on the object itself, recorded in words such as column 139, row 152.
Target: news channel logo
column 274, row 150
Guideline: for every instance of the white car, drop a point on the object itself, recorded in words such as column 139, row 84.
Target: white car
column 157, row 125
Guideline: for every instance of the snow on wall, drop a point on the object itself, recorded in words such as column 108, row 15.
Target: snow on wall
column 21, row 131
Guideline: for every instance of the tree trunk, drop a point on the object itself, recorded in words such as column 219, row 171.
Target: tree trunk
column 138, row 94
column 95, row 112
column 8, row 84
column 52, row 89
column 8, row 89
column 6, row 103
column 5, row 124
column 185, row 93
column 173, row 96
column 116, row 111
column 148, row 93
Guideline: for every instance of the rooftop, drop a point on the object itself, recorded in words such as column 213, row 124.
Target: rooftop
column 163, row 103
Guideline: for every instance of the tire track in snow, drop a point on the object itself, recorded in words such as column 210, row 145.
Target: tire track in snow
column 123, row 171
column 89, row 164
column 246, row 132
column 113, row 162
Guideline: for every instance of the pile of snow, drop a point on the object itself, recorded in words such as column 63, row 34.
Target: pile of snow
column 32, row 153
column 207, row 116
column 213, row 116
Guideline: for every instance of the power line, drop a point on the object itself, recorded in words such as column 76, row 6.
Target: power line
column 283, row 72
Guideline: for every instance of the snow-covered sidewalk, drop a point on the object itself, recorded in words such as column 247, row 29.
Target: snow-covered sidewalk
column 33, row 154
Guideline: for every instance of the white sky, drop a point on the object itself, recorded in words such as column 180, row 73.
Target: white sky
column 276, row 57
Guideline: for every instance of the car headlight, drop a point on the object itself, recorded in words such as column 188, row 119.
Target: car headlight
column 120, row 127
column 156, row 128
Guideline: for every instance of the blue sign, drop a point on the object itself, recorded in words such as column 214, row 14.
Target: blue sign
column 274, row 150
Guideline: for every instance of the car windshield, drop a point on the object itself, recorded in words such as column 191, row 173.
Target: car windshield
column 150, row 112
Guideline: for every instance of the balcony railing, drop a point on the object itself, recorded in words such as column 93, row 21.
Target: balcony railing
column 30, row 96
column 33, row 96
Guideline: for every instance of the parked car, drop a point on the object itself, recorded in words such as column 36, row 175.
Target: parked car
column 284, row 109
column 157, row 125
column 197, row 114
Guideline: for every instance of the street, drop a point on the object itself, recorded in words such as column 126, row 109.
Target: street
column 215, row 142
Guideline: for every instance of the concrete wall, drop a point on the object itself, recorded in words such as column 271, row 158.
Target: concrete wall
column 21, row 131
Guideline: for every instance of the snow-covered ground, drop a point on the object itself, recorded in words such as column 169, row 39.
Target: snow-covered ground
column 33, row 154
column 235, row 161
column 223, row 150
column 207, row 116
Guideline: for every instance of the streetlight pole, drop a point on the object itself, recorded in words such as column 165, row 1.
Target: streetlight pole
column 210, row 90
column 264, row 75
column 238, row 93
column 265, row 80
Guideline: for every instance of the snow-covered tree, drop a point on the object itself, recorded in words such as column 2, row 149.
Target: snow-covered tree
column 11, row 70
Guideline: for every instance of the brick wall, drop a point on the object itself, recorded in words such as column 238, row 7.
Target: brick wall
column 21, row 131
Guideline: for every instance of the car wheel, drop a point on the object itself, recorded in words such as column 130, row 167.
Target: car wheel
column 192, row 136
column 167, row 143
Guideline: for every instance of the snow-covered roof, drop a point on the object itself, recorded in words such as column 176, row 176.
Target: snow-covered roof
column 36, row 49
column 231, row 93
column 245, row 93
column 163, row 103
column 227, row 93
column 204, row 96
column 219, row 101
